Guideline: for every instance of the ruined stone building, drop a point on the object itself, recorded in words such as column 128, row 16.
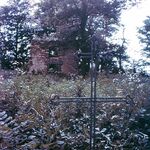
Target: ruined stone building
column 46, row 56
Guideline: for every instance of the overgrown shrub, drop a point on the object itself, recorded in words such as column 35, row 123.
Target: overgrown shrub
column 37, row 122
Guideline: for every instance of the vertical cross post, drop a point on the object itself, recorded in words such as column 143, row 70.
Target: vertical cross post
column 93, row 66
column 93, row 97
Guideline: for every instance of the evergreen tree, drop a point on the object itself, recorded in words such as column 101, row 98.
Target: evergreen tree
column 15, row 34
column 145, row 37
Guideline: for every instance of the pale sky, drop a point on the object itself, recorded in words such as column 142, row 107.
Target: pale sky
column 132, row 19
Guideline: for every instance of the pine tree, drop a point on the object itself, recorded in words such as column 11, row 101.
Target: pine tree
column 15, row 33
column 145, row 37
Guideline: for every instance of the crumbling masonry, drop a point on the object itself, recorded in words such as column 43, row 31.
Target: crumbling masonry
column 41, row 60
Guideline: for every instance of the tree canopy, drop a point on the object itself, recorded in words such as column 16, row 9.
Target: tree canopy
column 76, row 21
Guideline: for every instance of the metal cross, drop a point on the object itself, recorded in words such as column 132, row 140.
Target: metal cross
column 94, row 55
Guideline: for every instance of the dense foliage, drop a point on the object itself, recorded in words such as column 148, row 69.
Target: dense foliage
column 30, row 119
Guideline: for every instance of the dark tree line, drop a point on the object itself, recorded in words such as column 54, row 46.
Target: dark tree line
column 72, row 21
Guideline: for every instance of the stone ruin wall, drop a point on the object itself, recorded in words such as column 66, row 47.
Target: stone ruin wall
column 40, row 60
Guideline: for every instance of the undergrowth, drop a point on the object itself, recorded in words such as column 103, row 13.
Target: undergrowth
column 31, row 119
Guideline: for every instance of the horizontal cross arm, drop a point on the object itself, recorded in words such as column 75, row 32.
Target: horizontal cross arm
column 97, row 99
column 87, row 98
column 84, row 55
